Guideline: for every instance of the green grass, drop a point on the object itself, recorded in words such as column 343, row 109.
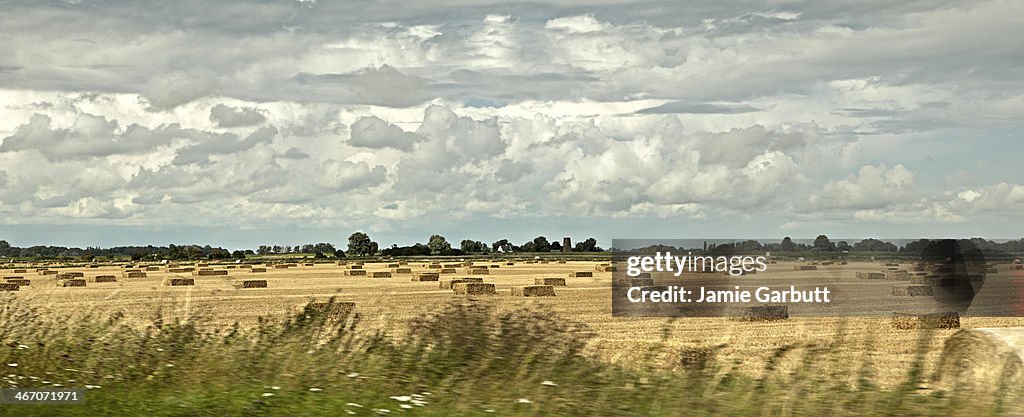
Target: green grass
column 464, row 360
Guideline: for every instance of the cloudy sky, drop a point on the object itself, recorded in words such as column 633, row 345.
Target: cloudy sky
column 239, row 123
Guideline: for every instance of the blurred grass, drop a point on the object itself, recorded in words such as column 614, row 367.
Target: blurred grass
column 465, row 359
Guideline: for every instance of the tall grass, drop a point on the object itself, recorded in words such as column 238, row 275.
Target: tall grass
column 465, row 359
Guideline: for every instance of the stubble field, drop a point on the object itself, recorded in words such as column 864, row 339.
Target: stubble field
column 390, row 303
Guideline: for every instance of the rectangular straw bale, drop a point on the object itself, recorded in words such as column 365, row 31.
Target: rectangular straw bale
column 104, row 278
column 251, row 283
column 426, row 276
column 557, row 282
column 534, row 291
column 473, row 288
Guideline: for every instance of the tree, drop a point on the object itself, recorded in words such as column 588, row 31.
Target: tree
column 540, row 244
column 238, row 254
column 823, row 244
column 787, row 245
column 502, row 246
column 874, row 245
column 438, row 245
column 473, row 246
column 555, row 246
column 842, row 246
column 359, row 244
column 589, row 245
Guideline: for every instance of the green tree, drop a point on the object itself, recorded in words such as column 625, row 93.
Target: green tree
column 823, row 244
column 540, row 244
column 588, row 245
column 359, row 244
column 438, row 245
column 473, row 246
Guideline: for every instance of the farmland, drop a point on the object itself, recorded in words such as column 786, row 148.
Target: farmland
column 389, row 304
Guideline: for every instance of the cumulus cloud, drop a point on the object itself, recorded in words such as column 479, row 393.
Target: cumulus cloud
column 169, row 90
column 345, row 175
column 374, row 132
column 439, row 117
column 873, row 187
column 227, row 116
column 89, row 136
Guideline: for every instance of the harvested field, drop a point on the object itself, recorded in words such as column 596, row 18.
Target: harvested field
column 391, row 303
column 763, row 313
column 930, row 321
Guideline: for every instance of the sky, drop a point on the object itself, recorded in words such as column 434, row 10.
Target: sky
column 285, row 122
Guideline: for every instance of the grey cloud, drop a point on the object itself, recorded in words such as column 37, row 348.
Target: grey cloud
column 91, row 136
column 169, row 90
column 222, row 144
column 294, row 153
column 227, row 116
column 384, row 85
column 698, row 108
column 345, row 175
column 374, row 132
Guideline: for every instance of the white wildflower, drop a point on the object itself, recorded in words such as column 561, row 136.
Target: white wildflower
column 549, row 383
column 524, row 401
column 314, row 389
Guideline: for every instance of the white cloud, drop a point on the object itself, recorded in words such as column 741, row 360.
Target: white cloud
column 227, row 116
column 374, row 132
column 873, row 187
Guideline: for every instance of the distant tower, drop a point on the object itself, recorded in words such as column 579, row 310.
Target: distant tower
column 566, row 244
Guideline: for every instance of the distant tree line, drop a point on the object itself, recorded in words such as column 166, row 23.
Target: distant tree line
column 360, row 244
column 823, row 244
column 319, row 250
column 174, row 252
